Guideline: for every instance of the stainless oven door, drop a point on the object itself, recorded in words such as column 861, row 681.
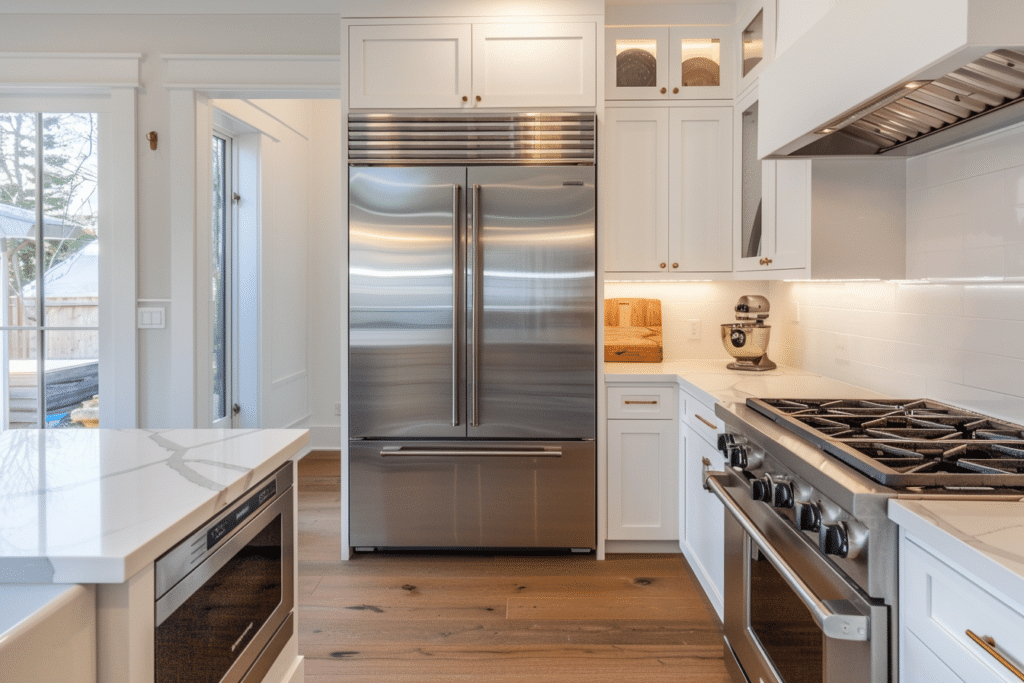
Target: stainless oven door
column 213, row 624
column 790, row 615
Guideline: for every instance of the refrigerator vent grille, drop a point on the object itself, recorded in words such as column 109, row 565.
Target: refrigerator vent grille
column 459, row 139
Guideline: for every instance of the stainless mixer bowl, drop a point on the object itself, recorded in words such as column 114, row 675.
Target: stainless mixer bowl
column 748, row 344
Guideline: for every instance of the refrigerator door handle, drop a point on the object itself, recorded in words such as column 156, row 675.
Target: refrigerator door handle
column 522, row 452
column 478, row 307
column 457, row 320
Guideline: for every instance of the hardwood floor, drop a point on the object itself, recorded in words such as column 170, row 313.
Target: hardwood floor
column 407, row 618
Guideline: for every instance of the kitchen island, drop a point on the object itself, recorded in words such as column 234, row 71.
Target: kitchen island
column 100, row 506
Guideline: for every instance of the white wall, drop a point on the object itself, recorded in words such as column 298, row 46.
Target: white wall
column 711, row 303
column 965, row 209
column 327, row 246
column 153, row 36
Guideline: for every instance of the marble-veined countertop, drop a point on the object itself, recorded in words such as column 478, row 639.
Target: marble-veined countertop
column 986, row 538
column 710, row 381
column 97, row 505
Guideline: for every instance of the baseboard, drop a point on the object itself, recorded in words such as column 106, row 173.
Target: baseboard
column 611, row 547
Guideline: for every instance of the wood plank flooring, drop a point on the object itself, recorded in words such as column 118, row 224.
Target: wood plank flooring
column 406, row 618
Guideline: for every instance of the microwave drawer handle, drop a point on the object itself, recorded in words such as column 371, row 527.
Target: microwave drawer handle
column 391, row 451
column 832, row 623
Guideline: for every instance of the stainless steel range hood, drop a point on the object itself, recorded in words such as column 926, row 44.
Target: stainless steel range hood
column 907, row 77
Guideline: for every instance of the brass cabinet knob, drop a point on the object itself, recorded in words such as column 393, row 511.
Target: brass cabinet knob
column 664, row 90
column 477, row 98
column 765, row 261
column 465, row 99
column 675, row 265
column 675, row 91
column 662, row 265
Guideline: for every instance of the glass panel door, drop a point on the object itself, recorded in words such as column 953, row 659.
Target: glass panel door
column 50, row 251
column 220, row 290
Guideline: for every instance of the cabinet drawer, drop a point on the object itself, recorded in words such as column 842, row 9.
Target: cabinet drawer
column 642, row 403
column 702, row 421
column 940, row 605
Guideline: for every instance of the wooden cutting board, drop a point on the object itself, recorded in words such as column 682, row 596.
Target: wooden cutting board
column 632, row 331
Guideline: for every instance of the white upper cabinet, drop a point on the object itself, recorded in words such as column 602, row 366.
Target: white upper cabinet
column 418, row 66
column 826, row 219
column 668, row 190
column 534, row 65
column 772, row 201
column 423, row 66
column 754, row 43
column 665, row 63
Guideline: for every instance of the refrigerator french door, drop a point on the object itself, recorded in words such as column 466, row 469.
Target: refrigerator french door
column 472, row 356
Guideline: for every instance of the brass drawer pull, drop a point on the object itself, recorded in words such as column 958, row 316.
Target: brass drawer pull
column 765, row 262
column 641, row 403
column 988, row 644
column 707, row 422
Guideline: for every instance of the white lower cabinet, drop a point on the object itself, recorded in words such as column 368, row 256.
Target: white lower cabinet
column 938, row 606
column 701, row 520
column 643, row 467
column 701, row 515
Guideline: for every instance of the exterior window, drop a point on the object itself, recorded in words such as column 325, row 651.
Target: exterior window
column 220, row 241
column 50, row 251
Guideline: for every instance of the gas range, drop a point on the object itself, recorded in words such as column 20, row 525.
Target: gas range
column 914, row 444
column 806, row 488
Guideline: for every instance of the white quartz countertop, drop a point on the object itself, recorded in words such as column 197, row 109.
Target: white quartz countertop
column 97, row 505
column 712, row 382
column 986, row 538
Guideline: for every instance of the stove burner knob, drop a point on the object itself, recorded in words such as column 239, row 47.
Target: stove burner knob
column 724, row 442
column 761, row 489
column 738, row 457
column 808, row 517
column 783, row 495
column 834, row 539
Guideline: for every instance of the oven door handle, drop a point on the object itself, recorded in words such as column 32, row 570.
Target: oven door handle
column 840, row 625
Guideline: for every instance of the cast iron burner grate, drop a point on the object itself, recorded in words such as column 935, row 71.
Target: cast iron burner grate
column 908, row 443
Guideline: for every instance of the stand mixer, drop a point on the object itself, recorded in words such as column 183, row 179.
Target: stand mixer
column 747, row 339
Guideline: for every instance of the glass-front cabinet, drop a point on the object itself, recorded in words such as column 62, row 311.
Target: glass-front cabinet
column 753, row 44
column 772, row 207
column 657, row 62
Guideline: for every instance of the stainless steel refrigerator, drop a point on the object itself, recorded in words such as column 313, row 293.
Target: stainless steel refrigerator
column 472, row 356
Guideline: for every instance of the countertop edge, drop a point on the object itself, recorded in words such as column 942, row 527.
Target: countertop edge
column 955, row 548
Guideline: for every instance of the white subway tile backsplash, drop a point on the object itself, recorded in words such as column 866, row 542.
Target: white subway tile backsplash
column 1013, row 260
column 995, row 373
column 929, row 361
column 1000, row 302
column 995, row 337
column 940, row 331
column 992, row 403
column 929, row 299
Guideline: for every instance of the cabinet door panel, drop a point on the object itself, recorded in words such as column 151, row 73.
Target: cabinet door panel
column 791, row 230
column 636, row 63
column 642, row 480
column 636, row 190
column 703, row 521
column 534, row 65
column 700, row 187
column 409, row 66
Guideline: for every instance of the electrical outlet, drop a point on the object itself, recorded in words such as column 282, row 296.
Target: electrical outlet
column 842, row 349
column 693, row 330
column 337, row 409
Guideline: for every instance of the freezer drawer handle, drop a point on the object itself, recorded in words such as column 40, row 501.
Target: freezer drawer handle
column 832, row 616
column 541, row 452
column 641, row 403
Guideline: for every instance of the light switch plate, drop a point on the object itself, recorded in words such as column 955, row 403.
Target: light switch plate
column 693, row 330
column 151, row 318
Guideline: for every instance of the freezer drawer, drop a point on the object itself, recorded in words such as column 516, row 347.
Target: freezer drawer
column 472, row 494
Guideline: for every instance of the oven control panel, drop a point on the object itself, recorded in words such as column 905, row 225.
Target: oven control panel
column 240, row 514
column 832, row 529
